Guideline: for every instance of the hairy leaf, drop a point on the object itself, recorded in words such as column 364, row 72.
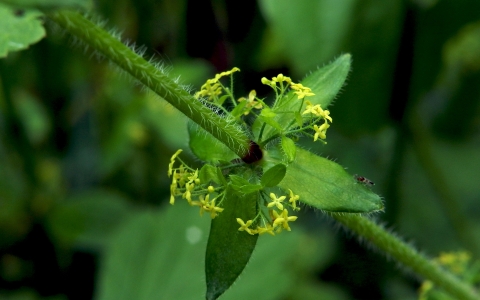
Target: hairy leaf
column 274, row 175
column 20, row 29
column 326, row 185
column 228, row 249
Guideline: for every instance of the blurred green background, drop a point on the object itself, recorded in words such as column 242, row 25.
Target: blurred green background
column 84, row 151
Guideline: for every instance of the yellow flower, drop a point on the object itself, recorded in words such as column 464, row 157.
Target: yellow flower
column 283, row 219
column 244, row 226
column 251, row 102
column 172, row 161
column 326, row 115
column 301, row 91
column 214, row 210
column 320, row 131
column 281, row 78
column 173, row 188
column 293, row 199
column 313, row 109
column 276, row 201
column 304, row 93
column 226, row 73
column 424, row 290
column 212, row 88
column 203, row 203
column 267, row 229
column 194, row 177
column 188, row 193
column 268, row 82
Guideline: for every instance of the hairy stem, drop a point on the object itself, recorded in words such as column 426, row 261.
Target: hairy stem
column 97, row 38
column 406, row 255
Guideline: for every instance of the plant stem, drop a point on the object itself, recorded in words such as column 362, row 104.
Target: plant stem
column 224, row 129
column 406, row 255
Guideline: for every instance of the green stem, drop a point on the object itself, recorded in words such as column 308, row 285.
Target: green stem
column 406, row 255
column 224, row 129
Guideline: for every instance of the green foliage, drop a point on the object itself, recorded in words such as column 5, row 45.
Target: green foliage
column 83, row 153
column 228, row 249
column 274, row 175
column 309, row 32
column 88, row 219
column 49, row 4
column 325, row 83
column 326, row 185
column 206, row 147
column 19, row 29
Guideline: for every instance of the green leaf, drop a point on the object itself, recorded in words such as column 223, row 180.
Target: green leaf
column 210, row 173
column 49, row 4
column 156, row 255
column 160, row 255
column 308, row 32
column 238, row 110
column 325, row 83
column 326, row 185
column 274, row 175
column 289, row 148
column 243, row 186
column 19, row 29
column 228, row 249
column 206, row 147
column 88, row 218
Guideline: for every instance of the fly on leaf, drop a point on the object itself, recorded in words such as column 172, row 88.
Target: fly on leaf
column 364, row 180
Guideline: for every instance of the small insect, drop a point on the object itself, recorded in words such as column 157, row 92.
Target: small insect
column 364, row 180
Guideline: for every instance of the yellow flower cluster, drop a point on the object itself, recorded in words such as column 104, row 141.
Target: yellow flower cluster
column 316, row 110
column 278, row 215
column 300, row 90
column 251, row 102
column 457, row 262
column 278, row 79
column 212, row 88
column 185, row 183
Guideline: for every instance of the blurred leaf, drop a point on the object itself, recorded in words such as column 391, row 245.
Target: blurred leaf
column 274, row 175
column 33, row 116
column 228, row 249
column 19, row 29
column 210, row 173
column 458, row 83
column 206, row 147
column 243, row 186
column 48, row 4
column 463, row 50
column 159, row 255
column 14, row 221
column 88, row 218
column 373, row 40
column 326, row 185
column 167, row 121
column 289, row 148
column 156, row 255
column 310, row 32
